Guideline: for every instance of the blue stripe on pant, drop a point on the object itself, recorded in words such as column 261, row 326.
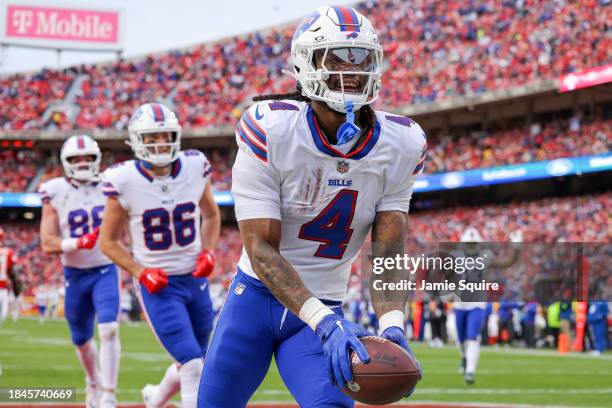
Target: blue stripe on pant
column 90, row 292
column 181, row 316
column 253, row 327
column 469, row 323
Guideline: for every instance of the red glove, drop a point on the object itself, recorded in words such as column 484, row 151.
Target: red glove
column 204, row 264
column 88, row 241
column 153, row 279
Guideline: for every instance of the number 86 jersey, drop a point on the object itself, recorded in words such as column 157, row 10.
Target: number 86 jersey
column 164, row 215
column 79, row 209
column 325, row 196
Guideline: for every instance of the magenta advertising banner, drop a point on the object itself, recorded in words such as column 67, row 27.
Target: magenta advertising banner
column 55, row 25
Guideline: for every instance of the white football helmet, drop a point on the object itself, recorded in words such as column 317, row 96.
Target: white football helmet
column 337, row 58
column 471, row 235
column 154, row 118
column 81, row 145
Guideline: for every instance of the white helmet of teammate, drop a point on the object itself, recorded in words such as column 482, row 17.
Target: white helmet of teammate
column 154, row 118
column 471, row 235
column 81, row 145
column 337, row 58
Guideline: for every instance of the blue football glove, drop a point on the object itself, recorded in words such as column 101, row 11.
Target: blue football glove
column 338, row 335
column 396, row 335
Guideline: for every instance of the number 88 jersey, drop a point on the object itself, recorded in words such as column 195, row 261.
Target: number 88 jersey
column 79, row 208
column 164, row 215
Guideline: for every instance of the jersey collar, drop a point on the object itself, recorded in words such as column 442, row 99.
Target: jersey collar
column 75, row 184
column 323, row 145
column 174, row 172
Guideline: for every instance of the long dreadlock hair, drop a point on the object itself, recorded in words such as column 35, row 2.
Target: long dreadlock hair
column 367, row 119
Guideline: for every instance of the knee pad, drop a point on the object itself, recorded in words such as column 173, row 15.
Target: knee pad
column 108, row 331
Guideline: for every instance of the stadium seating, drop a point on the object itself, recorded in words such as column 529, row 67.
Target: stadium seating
column 17, row 168
column 25, row 97
column 580, row 218
column 433, row 51
column 571, row 219
column 551, row 140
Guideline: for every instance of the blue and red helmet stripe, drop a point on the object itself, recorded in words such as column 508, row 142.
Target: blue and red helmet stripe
column 158, row 112
column 347, row 17
column 80, row 142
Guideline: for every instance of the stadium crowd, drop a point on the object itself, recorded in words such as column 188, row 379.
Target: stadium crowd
column 579, row 218
column 585, row 218
column 469, row 150
column 17, row 168
column 25, row 97
column 540, row 141
column 433, row 51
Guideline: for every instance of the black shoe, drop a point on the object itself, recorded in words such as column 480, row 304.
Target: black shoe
column 469, row 378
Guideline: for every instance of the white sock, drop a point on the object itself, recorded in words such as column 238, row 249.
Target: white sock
column 461, row 348
column 472, row 353
column 190, row 373
column 4, row 298
column 88, row 356
column 110, row 351
column 16, row 307
column 169, row 385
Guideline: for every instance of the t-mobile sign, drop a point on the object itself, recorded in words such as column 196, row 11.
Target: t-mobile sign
column 57, row 26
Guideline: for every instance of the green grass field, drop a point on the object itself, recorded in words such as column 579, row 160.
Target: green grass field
column 42, row 355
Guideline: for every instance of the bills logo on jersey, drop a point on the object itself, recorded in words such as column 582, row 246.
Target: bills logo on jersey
column 342, row 166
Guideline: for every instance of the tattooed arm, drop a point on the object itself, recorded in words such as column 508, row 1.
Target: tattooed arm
column 261, row 239
column 388, row 238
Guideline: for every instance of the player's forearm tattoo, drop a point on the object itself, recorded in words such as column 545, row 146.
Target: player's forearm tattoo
column 388, row 239
column 279, row 276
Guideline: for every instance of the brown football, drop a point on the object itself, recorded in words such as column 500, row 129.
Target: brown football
column 390, row 375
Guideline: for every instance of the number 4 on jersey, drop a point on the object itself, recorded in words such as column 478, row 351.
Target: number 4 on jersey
column 332, row 226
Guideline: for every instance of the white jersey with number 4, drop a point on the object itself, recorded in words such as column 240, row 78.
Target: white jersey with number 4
column 325, row 199
column 164, row 213
column 79, row 208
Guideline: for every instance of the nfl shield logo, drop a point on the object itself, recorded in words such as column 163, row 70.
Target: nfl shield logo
column 239, row 290
column 164, row 188
column 342, row 166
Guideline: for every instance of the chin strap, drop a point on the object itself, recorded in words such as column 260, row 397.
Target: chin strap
column 348, row 129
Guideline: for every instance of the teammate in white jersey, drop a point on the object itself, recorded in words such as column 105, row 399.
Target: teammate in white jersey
column 470, row 310
column 165, row 198
column 315, row 171
column 71, row 216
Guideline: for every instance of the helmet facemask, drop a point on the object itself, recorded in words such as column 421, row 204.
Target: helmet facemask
column 80, row 171
column 157, row 154
column 341, row 74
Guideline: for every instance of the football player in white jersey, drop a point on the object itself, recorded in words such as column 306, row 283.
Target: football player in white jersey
column 165, row 197
column 470, row 310
column 315, row 171
column 71, row 216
